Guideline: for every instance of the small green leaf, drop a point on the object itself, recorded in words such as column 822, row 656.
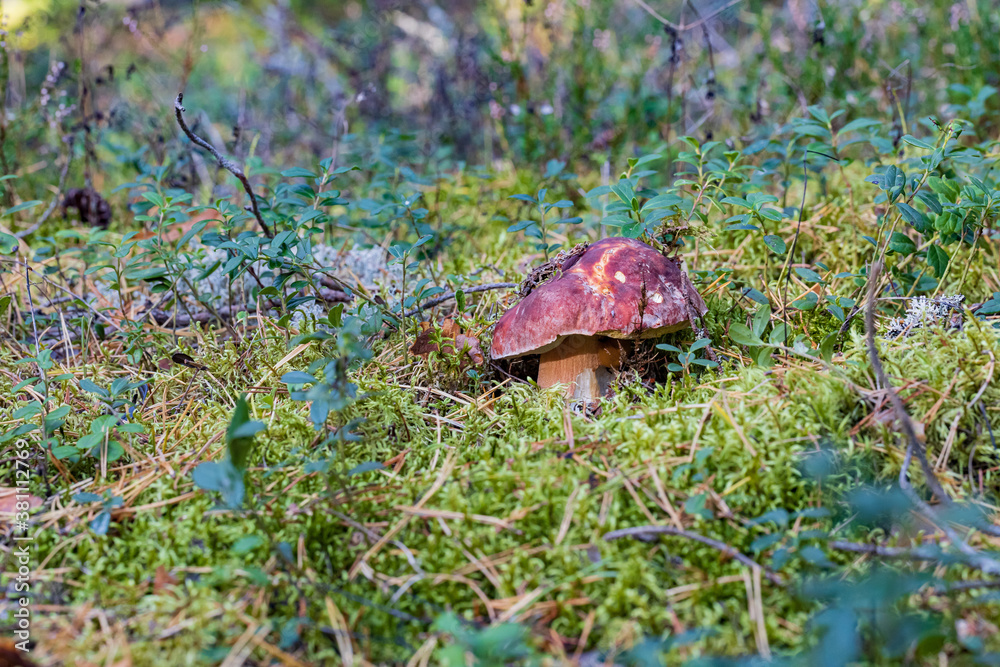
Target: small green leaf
column 22, row 206
column 742, row 335
column 826, row 348
column 661, row 202
column 240, row 434
column 761, row 318
column 913, row 217
column 736, row 201
column 101, row 523
column 523, row 224
column 92, row 388
column 808, row 275
column 815, row 556
column 775, row 243
column 367, row 466
column 858, row 124
column 765, row 542
column 700, row 343
column 913, row 141
column 779, row 516
column 246, row 544
column 755, row 295
column 297, row 172
column 937, row 258
column 902, row 244
column 8, row 244
column 807, row 302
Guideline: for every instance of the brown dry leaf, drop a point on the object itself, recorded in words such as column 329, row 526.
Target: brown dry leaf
column 163, row 579
column 423, row 346
column 8, row 499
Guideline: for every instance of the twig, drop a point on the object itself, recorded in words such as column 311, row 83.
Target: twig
column 960, row 586
column 451, row 295
column 681, row 28
column 915, row 553
column 59, row 193
column 795, row 241
column 224, row 162
column 901, row 414
column 921, row 553
column 640, row 532
column 916, row 446
column 48, row 281
column 709, row 17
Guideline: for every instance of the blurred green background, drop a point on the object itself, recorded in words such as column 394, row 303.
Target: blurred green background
column 526, row 80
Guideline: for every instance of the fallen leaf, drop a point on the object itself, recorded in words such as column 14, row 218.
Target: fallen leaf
column 162, row 579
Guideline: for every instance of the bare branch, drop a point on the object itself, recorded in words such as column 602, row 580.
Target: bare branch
column 640, row 532
column 931, row 553
column 451, row 295
column 224, row 162
column 909, row 430
column 914, row 444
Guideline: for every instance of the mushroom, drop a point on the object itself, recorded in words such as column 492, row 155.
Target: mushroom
column 617, row 289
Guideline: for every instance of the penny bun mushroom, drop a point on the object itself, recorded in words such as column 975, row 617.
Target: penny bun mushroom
column 617, row 289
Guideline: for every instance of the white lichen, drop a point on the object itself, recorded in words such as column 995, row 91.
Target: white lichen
column 922, row 311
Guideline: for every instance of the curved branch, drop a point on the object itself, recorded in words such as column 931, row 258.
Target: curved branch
column 224, row 162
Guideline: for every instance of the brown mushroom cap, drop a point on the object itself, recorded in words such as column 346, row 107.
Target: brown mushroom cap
column 618, row 287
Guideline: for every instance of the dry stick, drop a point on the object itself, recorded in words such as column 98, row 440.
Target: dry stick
column 224, row 162
column 644, row 531
column 915, row 445
column 976, row 559
column 901, row 414
column 38, row 364
column 920, row 553
column 451, row 295
column 795, row 241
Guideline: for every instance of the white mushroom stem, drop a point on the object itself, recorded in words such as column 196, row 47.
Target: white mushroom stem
column 582, row 363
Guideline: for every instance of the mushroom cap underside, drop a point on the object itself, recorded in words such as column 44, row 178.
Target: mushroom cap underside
column 619, row 287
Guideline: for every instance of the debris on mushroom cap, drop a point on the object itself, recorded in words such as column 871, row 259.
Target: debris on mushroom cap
column 619, row 287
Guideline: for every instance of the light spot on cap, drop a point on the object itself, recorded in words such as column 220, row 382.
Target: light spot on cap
column 619, row 276
column 656, row 297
